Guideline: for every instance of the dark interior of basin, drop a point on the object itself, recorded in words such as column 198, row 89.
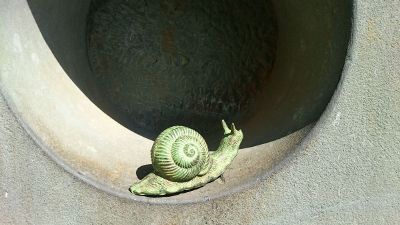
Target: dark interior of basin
column 162, row 63
column 269, row 66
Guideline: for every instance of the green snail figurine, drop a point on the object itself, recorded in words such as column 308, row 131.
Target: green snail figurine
column 182, row 162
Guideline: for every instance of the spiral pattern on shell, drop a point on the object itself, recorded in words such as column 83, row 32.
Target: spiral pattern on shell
column 179, row 154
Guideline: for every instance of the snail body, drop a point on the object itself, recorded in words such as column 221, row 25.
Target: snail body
column 181, row 161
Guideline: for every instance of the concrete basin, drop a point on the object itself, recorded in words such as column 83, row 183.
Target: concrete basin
column 271, row 69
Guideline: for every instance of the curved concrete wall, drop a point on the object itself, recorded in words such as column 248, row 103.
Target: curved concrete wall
column 311, row 48
column 91, row 145
column 345, row 171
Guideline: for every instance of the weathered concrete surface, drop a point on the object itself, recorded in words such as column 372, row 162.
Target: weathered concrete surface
column 89, row 144
column 347, row 171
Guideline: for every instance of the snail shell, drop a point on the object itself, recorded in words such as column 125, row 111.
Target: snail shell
column 179, row 154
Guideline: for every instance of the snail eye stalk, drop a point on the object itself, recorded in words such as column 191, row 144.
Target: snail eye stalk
column 234, row 128
column 226, row 128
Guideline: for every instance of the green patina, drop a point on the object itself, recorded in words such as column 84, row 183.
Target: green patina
column 176, row 171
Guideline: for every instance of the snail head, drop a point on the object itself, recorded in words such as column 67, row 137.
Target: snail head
column 237, row 135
